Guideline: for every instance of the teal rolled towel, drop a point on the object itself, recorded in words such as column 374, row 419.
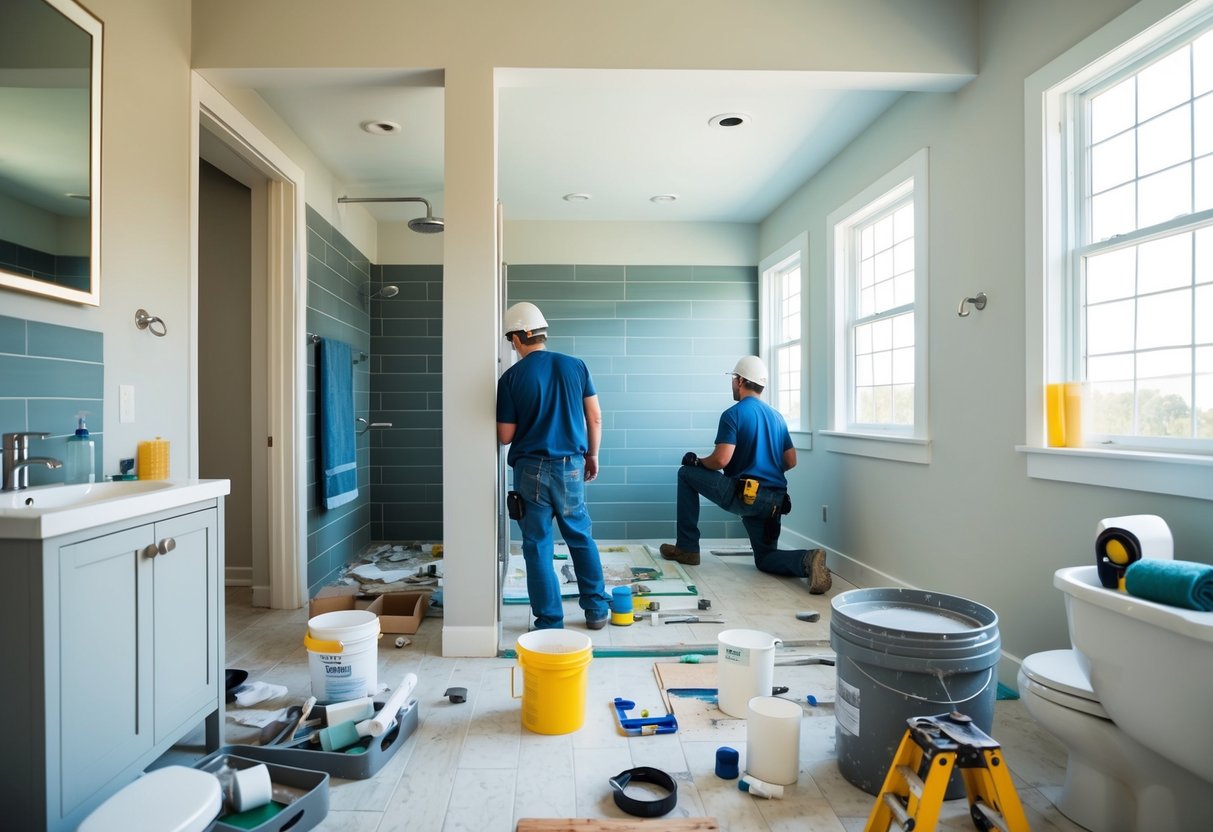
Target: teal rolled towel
column 1180, row 583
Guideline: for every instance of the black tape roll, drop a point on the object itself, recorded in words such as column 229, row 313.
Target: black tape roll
column 1110, row 572
column 644, row 808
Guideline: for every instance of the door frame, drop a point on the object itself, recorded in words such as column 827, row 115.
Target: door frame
column 284, row 226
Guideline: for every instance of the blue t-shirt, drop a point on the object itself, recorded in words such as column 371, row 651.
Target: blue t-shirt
column 760, row 436
column 543, row 394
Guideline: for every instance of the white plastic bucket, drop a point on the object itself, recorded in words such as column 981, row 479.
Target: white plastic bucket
column 745, row 669
column 343, row 654
column 772, row 735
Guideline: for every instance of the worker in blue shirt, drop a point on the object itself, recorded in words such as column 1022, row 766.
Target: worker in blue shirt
column 744, row 475
column 548, row 413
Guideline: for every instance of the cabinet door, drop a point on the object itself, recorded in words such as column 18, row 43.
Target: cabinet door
column 105, row 625
column 186, row 606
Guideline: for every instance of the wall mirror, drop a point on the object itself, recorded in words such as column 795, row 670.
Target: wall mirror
column 50, row 150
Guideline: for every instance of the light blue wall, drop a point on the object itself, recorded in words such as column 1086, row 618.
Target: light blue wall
column 50, row 374
column 336, row 271
column 658, row 341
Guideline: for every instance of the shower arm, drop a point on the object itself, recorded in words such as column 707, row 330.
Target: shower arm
column 429, row 212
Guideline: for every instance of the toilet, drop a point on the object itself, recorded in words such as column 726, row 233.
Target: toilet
column 169, row 799
column 1138, row 750
column 1113, row 783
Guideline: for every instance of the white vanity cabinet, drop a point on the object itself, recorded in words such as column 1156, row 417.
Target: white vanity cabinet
column 117, row 635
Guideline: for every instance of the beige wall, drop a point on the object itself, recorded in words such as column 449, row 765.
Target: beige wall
column 145, row 232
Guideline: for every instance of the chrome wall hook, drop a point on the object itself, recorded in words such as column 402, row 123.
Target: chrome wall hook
column 146, row 320
column 979, row 303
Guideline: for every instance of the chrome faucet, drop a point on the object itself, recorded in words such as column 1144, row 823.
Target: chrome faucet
column 17, row 460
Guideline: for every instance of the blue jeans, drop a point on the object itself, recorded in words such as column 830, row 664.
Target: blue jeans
column 722, row 490
column 556, row 488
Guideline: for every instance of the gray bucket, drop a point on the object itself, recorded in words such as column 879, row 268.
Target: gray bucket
column 904, row 653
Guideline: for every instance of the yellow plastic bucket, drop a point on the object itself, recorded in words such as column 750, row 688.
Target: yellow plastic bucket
column 554, row 679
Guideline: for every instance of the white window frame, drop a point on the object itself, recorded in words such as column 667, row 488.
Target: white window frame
column 793, row 253
column 1048, row 218
column 900, row 443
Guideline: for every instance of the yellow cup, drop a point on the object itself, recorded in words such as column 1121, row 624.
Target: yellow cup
column 1055, row 411
column 153, row 459
column 1073, row 409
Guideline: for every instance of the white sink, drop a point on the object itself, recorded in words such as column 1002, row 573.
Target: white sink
column 52, row 510
column 65, row 496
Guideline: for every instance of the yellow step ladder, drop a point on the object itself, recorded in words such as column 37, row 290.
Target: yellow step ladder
column 945, row 742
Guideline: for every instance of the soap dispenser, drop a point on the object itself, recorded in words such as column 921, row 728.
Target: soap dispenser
column 79, row 464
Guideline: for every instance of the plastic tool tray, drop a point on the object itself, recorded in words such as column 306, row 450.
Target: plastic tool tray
column 358, row 765
column 300, row 797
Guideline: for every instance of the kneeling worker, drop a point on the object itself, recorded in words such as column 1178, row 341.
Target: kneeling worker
column 745, row 475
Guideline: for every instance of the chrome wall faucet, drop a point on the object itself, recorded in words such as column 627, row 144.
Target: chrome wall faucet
column 17, row 460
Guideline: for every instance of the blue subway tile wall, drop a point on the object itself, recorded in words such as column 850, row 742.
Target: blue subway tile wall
column 659, row 341
column 337, row 275
column 406, row 391
column 70, row 270
column 51, row 373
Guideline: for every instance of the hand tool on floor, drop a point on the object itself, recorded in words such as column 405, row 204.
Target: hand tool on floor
column 642, row 726
column 808, row 616
column 281, row 729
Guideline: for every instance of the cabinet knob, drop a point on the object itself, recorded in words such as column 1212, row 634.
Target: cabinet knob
column 150, row 550
column 167, row 545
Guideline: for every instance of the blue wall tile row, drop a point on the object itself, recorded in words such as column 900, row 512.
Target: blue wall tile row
column 406, row 390
column 51, row 373
column 338, row 275
column 660, row 353
column 68, row 270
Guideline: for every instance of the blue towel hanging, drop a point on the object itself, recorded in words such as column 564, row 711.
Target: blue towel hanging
column 338, row 454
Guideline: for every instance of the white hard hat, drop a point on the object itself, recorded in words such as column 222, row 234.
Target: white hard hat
column 751, row 368
column 523, row 317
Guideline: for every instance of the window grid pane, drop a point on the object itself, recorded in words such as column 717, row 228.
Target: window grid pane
column 1142, row 307
column 783, row 289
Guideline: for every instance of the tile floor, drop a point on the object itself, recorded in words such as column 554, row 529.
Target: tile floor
column 472, row 767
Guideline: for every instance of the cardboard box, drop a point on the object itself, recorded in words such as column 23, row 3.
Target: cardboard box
column 337, row 598
column 402, row 611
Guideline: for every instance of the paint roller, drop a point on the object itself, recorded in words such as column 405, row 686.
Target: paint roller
column 1121, row 541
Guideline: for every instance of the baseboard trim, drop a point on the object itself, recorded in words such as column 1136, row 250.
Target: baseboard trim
column 238, row 576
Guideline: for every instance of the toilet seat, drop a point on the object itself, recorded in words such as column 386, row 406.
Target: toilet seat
column 169, row 799
column 1055, row 675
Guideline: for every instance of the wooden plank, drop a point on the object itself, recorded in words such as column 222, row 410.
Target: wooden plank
column 613, row 825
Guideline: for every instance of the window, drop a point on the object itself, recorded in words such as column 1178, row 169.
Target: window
column 1120, row 250
column 878, row 289
column 781, row 341
column 1141, row 272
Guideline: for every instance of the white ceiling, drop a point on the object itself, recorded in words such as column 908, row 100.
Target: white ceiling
column 620, row 136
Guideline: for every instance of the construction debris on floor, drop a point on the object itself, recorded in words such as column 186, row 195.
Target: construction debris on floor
column 395, row 567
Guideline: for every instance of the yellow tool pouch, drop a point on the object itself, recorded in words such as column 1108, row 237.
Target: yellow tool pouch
column 747, row 490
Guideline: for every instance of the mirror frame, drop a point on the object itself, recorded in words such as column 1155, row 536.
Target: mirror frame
column 93, row 27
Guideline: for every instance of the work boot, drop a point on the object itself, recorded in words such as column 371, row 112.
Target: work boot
column 596, row 623
column 671, row 552
column 815, row 569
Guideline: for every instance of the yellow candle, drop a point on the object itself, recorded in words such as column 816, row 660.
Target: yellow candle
column 1055, row 409
column 153, row 459
column 1073, row 414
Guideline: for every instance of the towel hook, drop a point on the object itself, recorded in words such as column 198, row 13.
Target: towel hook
column 146, row 320
column 979, row 303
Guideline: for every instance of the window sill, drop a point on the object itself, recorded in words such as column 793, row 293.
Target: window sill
column 802, row 440
column 895, row 448
column 1183, row 475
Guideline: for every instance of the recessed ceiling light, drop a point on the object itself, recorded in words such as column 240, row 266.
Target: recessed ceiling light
column 576, row 197
column 380, row 127
column 729, row 120
column 659, row 198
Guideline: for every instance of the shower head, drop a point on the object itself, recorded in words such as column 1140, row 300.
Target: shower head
column 382, row 293
column 429, row 224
